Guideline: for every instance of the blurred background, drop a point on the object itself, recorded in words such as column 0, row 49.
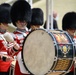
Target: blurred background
column 60, row 6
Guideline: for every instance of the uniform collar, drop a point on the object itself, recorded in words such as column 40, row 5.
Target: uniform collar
column 22, row 30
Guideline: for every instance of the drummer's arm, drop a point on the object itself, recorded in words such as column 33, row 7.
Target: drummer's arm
column 14, row 49
column 5, row 57
column 16, row 46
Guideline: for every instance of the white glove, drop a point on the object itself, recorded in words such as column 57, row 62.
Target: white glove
column 8, row 37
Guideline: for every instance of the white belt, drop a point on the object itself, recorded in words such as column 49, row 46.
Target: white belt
column 22, row 68
column 3, row 52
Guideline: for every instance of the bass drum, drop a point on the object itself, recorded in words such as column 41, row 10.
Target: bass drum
column 48, row 52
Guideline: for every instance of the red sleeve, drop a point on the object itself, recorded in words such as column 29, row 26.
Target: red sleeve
column 3, row 48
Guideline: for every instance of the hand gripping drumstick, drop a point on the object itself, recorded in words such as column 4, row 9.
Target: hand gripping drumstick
column 9, row 38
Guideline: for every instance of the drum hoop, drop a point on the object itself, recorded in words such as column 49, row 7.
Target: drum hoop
column 22, row 52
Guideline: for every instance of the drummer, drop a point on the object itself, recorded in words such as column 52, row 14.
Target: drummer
column 21, row 17
column 5, row 49
column 37, row 19
column 69, row 25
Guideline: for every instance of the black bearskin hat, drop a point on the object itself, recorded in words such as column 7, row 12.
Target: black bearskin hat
column 69, row 21
column 5, row 13
column 37, row 17
column 6, row 5
column 21, row 10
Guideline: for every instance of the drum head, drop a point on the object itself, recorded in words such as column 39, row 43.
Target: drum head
column 38, row 52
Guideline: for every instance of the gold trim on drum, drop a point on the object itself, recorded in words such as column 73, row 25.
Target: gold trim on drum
column 62, row 65
column 65, row 50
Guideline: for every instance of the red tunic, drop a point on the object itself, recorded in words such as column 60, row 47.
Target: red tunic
column 19, row 38
column 4, row 66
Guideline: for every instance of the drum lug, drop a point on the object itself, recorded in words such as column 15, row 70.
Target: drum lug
column 55, row 59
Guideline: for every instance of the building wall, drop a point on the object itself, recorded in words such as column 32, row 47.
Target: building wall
column 61, row 6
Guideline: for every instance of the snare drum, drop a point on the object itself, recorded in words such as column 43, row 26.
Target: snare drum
column 48, row 52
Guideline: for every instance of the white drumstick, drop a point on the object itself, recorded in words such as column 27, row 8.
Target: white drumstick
column 8, row 37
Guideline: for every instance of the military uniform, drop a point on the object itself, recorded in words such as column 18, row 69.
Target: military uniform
column 19, row 37
column 6, row 48
column 20, row 12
